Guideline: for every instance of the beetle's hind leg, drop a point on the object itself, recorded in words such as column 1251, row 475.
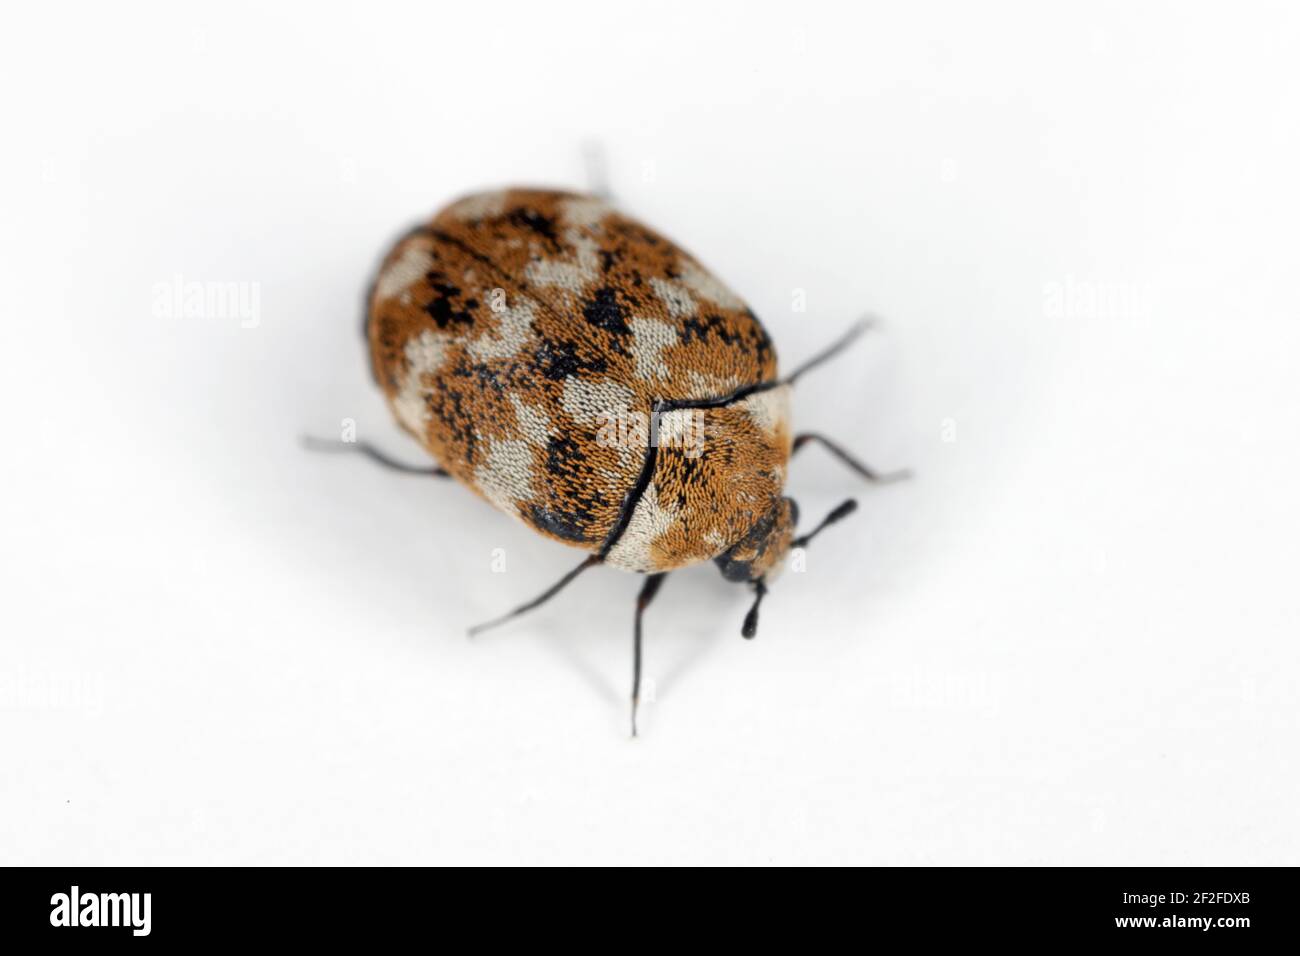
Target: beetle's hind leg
column 596, row 164
column 648, row 592
column 880, row 478
column 373, row 453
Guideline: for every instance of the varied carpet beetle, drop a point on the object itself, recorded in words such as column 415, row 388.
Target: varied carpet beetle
column 590, row 378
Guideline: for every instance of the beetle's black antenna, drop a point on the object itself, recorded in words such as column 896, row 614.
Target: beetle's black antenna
column 542, row 598
column 842, row 510
column 370, row 451
column 868, row 473
column 648, row 592
column 839, row 346
column 750, row 627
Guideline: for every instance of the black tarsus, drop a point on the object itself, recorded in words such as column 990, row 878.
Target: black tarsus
column 843, row 342
column 370, row 451
column 840, row 511
column 542, row 598
column 648, row 592
column 750, row 627
column 868, row 473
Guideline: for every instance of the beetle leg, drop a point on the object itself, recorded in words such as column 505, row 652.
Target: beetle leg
column 648, row 592
column 868, row 473
column 542, row 598
column 750, row 627
column 844, row 341
column 371, row 452
column 593, row 157
column 840, row 511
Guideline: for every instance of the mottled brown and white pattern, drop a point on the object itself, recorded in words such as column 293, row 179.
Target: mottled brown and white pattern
column 509, row 328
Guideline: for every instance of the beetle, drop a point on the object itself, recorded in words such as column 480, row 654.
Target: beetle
column 592, row 379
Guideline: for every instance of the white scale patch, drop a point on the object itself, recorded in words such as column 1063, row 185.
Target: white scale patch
column 706, row 286
column 716, row 542
column 594, row 403
column 632, row 551
column 681, row 305
column 585, row 212
column 479, row 206
column 424, row 356
column 712, row 386
column 409, row 269
column 582, row 216
column 573, row 276
column 650, row 338
column 506, row 476
column 770, row 409
column 514, row 330
column 533, row 422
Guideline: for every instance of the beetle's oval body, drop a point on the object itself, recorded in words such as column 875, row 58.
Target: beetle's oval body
column 589, row 377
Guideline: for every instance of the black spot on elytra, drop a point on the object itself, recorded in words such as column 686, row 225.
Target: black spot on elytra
column 447, row 405
column 634, row 233
column 702, row 328
column 558, row 360
column 487, row 377
column 758, row 339
column 604, row 312
column 533, row 220
column 570, row 527
column 563, row 456
column 440, row 307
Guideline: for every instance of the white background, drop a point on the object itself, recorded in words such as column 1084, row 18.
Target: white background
column 1072, row 639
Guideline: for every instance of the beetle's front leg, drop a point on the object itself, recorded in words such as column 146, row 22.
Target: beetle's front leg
column 868, row 473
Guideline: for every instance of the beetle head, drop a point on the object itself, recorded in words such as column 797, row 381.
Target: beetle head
column 763, row 548
column 757, row 557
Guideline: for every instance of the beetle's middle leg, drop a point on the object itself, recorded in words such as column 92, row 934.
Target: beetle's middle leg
column 589, row 562
column 648, row 592
column 373, row 453
column 880, row 478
